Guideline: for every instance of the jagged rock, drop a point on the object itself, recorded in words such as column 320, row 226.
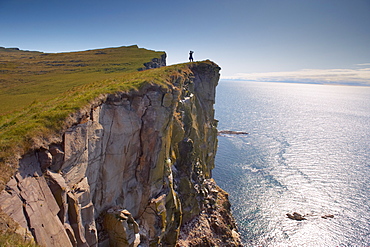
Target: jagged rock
column 122, row 229
column 57, row 157
column 231, row 132
column 214, row 226
column 296, row 216
column 327, row 216
column 45, row 159
column 299, row 217
column 12, row 205
column 75, row 154
column 82, row 193
column 34, row 204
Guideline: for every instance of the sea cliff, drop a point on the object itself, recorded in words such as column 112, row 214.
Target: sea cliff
column 130, row 168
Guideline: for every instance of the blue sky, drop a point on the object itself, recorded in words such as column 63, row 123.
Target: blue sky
column 250, row 39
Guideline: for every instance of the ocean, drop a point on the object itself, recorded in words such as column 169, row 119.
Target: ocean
column 307, row 151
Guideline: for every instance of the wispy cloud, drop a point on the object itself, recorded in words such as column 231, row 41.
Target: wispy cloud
column 360, row 76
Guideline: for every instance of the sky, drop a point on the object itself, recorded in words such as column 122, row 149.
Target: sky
column 320, row 41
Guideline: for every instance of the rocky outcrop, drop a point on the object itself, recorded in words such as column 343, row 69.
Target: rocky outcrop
column 296, row 216
column 133, row 168
column 9, row 49
column 299, row 217
column 155, row 63
column 214, row 226
column 231, row 132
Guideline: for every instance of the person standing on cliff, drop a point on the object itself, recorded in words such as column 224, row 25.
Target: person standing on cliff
column 191, row 56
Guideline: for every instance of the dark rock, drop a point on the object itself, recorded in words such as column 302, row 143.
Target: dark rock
column 327, row 216
column 231, row 132
column 10, row 49
column 296, row 216
column 155, row 63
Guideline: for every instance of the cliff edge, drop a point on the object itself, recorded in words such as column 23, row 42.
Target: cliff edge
column 132, row 168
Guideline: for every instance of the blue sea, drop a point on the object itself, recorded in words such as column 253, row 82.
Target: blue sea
column 307, row 151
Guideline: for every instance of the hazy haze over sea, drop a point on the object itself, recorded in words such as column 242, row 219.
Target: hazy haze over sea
column 308, row 151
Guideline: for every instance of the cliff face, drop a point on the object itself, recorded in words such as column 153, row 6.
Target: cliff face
column 133, row 168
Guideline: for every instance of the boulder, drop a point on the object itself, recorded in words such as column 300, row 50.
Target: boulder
column 122, row 228
column 296, row 216
column 326, row 216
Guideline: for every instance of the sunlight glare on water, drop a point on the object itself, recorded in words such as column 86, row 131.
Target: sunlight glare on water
column 307, row 152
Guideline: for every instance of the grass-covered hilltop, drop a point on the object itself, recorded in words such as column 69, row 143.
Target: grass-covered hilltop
column 28, row 76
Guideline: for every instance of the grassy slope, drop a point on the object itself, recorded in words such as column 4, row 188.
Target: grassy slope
column 27, row 76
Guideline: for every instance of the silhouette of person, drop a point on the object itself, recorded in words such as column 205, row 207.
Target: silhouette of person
column 191, row 56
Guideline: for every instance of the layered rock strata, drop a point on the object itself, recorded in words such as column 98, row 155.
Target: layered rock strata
column 133, row 169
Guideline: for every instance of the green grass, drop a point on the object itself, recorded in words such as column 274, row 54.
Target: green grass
column 28, row 76
column 14, row 240
column 8, row 235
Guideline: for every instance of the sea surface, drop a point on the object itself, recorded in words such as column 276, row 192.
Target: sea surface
column 307, row 151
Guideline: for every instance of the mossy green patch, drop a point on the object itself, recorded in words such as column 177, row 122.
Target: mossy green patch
column 14, row 240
